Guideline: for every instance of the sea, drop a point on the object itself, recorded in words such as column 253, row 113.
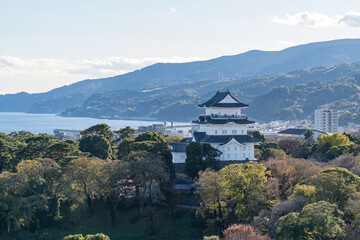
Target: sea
column 47, row 123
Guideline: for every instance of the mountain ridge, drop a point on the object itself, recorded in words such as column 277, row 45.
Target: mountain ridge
column 240, row 66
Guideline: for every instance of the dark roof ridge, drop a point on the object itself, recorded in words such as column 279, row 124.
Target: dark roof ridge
column 218, row 97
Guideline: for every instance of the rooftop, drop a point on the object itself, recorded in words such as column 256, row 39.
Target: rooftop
column 216, row 101
column 224, row 119
column 223, row 139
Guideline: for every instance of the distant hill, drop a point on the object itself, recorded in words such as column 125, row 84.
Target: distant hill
column 289, row 96
column 236, row 68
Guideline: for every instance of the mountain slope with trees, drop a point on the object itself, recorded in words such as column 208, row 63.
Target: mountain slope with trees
column 289, row 96
column 239, row 67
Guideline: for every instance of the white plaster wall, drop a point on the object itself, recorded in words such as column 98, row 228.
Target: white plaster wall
column 178, row 157
column 225, row 129
column 234, row 151
column 223, row 111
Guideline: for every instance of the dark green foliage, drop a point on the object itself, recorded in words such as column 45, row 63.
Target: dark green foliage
column 98, row 130
column 37, row 147
column 320, row 220
column 96, row 145
column 125, row 133
column 308, row 134
column 199, row 157
column 64, row 151
column 295, row 147
column 211, row 157
column 194, row 159
column 258, row 135
column 335, row 185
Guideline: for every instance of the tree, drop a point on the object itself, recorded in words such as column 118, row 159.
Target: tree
column 270, row 150
column 320, row 220
column 335, row 185
column 211, row 156
column 243, row 232
column 211, row 191
column 266, row 221
column 325, row 142
column 154, row 142
column 114, row 185
column 96, row 145
column 64, row 151
column 291, row 172
column 337, row 151
column 98, row 236
column 308, row 134
column 83, row 179
column 148, row 172
column 98, row 130
column 258, row 135
column 9, row 149
column 125, row 133
column 194, row 159
column 240, row 182
column 295, row 148
column 74, row 237
column 22, row 136
column 37, row 147
column 24, row 194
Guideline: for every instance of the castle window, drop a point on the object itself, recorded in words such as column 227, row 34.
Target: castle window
column 235, row 148
column 228, row 148
column 228, row 155
column 215, row 131
column 242, row 131
column 244, row 155
column 224, row 131
column 234, row 131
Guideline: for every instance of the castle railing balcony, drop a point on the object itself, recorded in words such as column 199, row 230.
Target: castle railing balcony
column 226, row 116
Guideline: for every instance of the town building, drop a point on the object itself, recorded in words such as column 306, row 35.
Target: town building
column 326, row 120
column 224, row 127
column 299, row 133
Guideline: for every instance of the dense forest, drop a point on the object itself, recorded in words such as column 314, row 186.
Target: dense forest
column 120, row 185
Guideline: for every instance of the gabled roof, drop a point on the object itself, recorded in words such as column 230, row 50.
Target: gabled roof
column 297, row 131
column 293, row 131
column 215, row 101
column 223, row 139
column 210, row 120
column 232, row 140
column 178, row 146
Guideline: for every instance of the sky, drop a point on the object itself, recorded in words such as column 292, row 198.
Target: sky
column 46, row 44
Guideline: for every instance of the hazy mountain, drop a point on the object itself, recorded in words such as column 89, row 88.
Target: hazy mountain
column 241, row 67
column 289, row 96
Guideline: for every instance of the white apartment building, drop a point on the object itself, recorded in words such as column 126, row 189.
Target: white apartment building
column 326, row 120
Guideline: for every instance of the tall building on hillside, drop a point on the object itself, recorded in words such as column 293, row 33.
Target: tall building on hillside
column 224, row 127
column 326, row 120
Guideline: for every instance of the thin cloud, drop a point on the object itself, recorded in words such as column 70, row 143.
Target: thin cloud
column 42, row 74
column 315, row 19
column 172, row 9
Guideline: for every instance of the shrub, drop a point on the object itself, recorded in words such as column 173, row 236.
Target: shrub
column 243, row 232
column 98, row 236
column 74, row 237
column 211, row 238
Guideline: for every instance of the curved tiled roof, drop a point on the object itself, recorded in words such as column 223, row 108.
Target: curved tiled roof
column 214, row 101
column 223, row 139
column 209, row 120
column 178, row 146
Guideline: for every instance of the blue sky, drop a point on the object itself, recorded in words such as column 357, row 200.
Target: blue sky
column 51, row 43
